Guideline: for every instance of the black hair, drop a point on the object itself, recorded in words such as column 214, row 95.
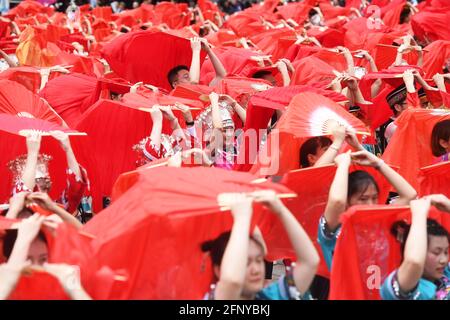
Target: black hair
column 9, row 239
column 312, row 12
column 310, row 146
column 358, row 182
column 404, row 14
column 261, row 74
column 441, row 130
column 174, row 72
column 400, row 230
column 216, row 247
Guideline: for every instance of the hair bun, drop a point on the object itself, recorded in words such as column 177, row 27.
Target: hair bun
column 400, row 230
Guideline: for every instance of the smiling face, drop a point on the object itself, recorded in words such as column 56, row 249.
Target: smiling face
column 437, row 257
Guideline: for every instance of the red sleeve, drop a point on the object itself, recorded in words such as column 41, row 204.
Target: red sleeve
column 412, row 99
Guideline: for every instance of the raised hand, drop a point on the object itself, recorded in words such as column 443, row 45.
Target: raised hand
column 365, row 158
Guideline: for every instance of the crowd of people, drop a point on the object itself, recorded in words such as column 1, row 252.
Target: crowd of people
column 176, row 150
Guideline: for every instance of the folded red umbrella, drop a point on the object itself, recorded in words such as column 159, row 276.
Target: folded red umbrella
column 435, row 179
column 174, row 210
column 148, row 56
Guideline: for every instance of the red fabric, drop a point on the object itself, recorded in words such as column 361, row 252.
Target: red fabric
column 16, row 99
column 34, row 49
column 413, row 123
column 148, row 99
column 239, row 86
column 111, row 138
column 281, row 151
column 162, row 52
column 312, row 70
column 435, row 57
column 14, row 124
column 176, row 218
column 308, row 113
column 26, row 76
column 235, row 60
column 431, row 26
column 307, row 208
column 435, row 179
column 366, row 251
column 79, row 93
column 192, row 92
column 391, row 12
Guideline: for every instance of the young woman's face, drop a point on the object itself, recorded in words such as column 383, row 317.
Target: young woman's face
column 367, row 197
column 437, row 257
column 256, row 270
column 38, row 252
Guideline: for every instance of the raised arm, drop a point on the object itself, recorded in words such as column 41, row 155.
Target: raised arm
column 157, row 118
column 241, row 112
column 220, row 70
column 405, row 191
column 307, row 257
column 33, row 146
column 328, row 156
column 234, row 262
column 439, row 201
column 337, row 197
column 194, row 70
column 72, row 162
column 415, row 253
column 44, row 201
column 215, row 111
column 8, row 60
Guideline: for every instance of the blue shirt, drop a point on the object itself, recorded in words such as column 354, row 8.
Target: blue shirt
column 425, row 289
column 327, row 241
column 283, row 289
